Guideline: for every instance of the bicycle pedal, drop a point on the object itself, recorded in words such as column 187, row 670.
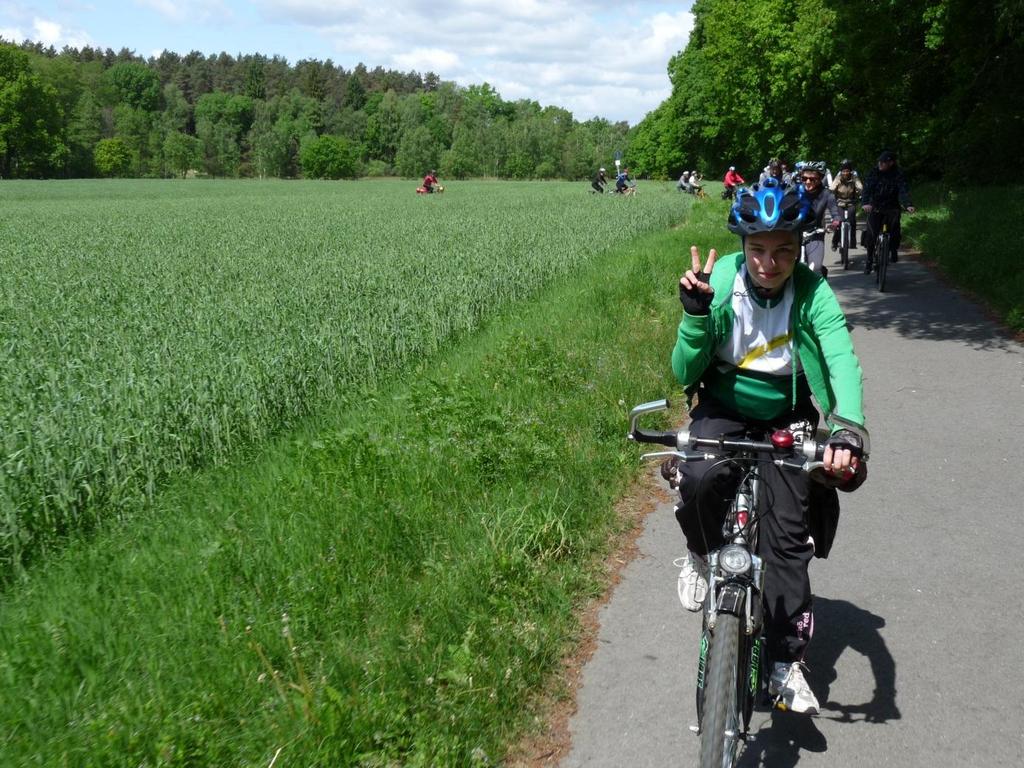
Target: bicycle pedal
column 695, row 730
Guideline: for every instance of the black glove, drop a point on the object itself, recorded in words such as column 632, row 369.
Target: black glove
column 844, row 438
column 670, row 470
column 695, row 301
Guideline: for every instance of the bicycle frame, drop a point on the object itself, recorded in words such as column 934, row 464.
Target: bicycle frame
column 883, row 240
column 845, row 238
column 805, row 238
column 882, row 253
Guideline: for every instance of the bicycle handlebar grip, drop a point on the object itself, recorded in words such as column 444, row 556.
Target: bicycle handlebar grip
column 661, row 438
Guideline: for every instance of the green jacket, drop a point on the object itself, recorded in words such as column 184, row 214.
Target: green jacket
column 821, row 340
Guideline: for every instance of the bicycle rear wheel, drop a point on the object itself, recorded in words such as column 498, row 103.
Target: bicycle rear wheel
column 721, row 721
column 882, row 260
column 844, row 245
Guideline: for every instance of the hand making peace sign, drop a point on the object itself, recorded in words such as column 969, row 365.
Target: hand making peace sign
column 695, row 291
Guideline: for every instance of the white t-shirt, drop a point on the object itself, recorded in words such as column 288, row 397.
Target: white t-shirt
column 762, row 338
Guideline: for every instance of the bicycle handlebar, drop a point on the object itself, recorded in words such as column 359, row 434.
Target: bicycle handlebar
column 781, row 445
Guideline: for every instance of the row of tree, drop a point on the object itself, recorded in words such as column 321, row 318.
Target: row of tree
column 935, row 80
column 89, row 112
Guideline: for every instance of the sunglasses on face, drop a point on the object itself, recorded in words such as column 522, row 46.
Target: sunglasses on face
column 806, row 179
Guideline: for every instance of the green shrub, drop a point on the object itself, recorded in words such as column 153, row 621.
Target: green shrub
column 327, row 157
column 378, row 169
column 112, row 157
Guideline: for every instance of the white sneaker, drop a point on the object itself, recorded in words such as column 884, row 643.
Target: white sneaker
column 790, row 689
column 693, row 584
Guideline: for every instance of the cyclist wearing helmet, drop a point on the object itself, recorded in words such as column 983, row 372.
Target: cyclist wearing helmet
column 847, row 188
column 762, row 335
column 599, row 182
column 695, row 183
column 812, row 175
column 885, row 191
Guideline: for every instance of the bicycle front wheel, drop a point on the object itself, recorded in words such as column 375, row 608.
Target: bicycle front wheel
column 844, row 245
column 882, row 260
column 720, row 725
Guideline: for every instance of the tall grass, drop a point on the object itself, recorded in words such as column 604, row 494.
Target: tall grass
column 148, row 327
column 389, row 584
column 971, row 233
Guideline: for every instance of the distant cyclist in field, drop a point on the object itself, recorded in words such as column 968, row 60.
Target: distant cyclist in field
column 696, row 183
column 812, row 175
column 762, row 335
column 847, row 188
column 430, row 181
column 885, row 192
column 683, row 185
column 732, row 180
column 599, row 182
column 624, row 183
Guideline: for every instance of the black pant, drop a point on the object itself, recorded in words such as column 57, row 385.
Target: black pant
column 597, row 187
column 850, row 215
column 875, row 219
column 707, row 490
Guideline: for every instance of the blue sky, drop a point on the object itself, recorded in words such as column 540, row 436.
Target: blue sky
column 600, row 58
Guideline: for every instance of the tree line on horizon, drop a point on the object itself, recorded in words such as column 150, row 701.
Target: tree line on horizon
column 937, row 81
column 89, row 112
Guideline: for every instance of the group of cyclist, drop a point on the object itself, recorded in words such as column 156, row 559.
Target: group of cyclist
column 624, row 183
column 882, row 196
column 691, row 182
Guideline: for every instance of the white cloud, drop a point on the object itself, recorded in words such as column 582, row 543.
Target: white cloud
column 47, row 32
column 427, row 59
column 601, row 58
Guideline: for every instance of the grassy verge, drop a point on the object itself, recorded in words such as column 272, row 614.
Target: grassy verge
column 968, row 232
column 388, row 586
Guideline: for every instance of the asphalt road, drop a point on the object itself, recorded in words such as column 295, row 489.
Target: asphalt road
column 918, row 652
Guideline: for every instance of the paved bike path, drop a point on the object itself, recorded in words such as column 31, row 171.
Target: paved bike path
column 917, row 652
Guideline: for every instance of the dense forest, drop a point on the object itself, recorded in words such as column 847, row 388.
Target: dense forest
column 92, row 112
column 936, row 80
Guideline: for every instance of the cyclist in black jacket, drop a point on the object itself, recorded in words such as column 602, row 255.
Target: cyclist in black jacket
column 885, row 193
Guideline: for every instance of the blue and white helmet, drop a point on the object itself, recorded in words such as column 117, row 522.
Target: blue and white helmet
column 767, row 207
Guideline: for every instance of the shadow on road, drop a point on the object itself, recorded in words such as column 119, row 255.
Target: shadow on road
column 839, row 625
column 916, row 305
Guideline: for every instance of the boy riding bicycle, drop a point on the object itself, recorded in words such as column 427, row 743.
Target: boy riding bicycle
column 762, row 335
column 847, row 188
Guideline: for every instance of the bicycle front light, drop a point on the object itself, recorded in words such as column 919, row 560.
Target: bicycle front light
column 734, row 559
